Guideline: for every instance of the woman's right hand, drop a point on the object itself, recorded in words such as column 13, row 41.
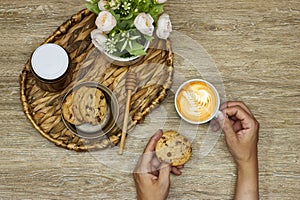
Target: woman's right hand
column 241, row 134
column 241, row 131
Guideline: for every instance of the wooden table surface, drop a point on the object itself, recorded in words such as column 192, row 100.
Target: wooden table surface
column 255, row 46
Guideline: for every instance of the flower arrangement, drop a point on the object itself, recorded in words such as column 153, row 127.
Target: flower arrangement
column 125, row 27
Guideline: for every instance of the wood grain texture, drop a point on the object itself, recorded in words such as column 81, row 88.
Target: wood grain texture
column 255, row 46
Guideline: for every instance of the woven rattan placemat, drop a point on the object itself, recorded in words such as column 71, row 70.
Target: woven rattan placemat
column 154, row 78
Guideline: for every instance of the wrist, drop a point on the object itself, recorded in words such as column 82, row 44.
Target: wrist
column 247, row 180
column 249, row 164
column 250, row 161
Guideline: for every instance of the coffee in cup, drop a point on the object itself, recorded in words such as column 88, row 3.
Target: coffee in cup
column 197, row 101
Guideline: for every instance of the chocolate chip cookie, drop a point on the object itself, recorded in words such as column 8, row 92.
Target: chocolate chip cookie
column 93, row 106
column 67, row 110
column 173, row 148
column 85, row 105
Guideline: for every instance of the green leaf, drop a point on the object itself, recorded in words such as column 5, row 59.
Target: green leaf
column 117, row 16
column 144, row 6
column 92, row 7
column 127, row 17
column 125, row 24
column 136, row 50
column 156, row 11
column 148, row 38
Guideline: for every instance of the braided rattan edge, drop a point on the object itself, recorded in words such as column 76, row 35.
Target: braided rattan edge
column 114, row 139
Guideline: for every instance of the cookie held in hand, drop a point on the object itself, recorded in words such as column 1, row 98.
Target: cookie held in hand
column 173, row 148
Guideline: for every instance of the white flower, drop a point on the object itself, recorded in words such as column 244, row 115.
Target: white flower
column 102, row 4
column 164, row 27
column 113, row 4
column 98, row 39
column 105, row 21
column 161, row 1
column 144, row 23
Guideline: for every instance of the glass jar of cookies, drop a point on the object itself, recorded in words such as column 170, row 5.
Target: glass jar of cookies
column 90, row 110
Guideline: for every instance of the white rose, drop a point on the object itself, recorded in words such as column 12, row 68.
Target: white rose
column 161, row 1
column 113, row 4
column 102, row 4
column 164, row 27
column 144, row 23
column 98, row 39
column 105, row 21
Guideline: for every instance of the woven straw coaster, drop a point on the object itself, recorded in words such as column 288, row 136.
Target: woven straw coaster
column 154, row 78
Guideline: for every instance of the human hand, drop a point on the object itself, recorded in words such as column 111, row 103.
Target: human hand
column 241, row 131
column 241, row 134
column 151, row 177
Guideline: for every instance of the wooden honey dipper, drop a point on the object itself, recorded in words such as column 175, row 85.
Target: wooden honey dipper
column 130, row 85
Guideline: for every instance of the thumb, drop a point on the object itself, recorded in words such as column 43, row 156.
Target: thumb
column 164, row 173
column 226, row 125
column 149, row 149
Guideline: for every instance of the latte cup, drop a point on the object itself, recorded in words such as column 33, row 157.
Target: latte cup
column 50, row 67
column 197, row 101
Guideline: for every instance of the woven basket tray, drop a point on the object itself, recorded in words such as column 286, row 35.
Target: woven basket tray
column 154, row 74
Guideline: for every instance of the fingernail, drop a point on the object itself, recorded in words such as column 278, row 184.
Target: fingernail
column 220, row 115
column 158, row 132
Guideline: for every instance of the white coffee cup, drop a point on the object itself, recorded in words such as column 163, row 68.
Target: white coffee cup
column 197, row 101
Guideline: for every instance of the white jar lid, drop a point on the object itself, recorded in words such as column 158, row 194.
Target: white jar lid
column 49, row 61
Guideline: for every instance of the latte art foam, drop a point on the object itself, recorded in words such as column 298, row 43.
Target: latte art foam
column 197, row 101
